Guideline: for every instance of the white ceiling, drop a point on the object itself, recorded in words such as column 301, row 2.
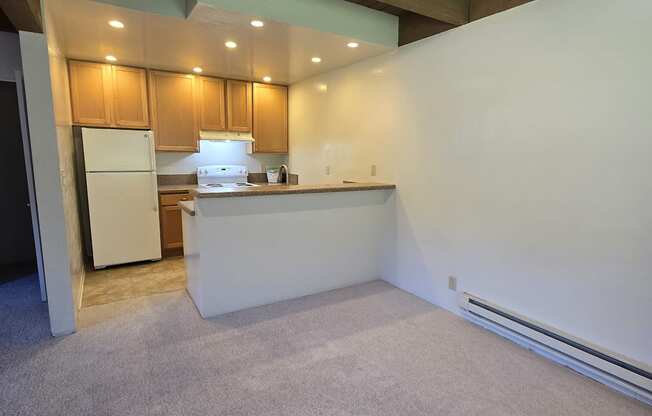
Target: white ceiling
column 150, row 40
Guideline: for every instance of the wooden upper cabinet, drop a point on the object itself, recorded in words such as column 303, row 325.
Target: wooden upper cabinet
column 173, row 102
column 212, row 114
column 90, row 93
column 105, row 95
column 238, row 106
column 130, row 107
column 270, row 118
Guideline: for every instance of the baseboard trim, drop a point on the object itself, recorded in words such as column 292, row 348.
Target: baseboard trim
column 562, row 359
column 63, row 333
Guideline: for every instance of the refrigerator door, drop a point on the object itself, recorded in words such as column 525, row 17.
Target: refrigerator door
column 123, row 210
column 111, row 150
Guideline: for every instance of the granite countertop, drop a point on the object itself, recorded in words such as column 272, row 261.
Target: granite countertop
column 287, row 189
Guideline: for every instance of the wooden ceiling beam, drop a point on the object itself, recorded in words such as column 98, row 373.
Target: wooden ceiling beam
column 413, row 27
column 24, row 14
column 483, row 8
column 454, row 12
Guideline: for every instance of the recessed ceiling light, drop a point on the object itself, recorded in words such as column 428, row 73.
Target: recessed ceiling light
column 116, row 24
column 110, row 58
column 352, row 44
column 197, row 70
column 231, row 44
column 267, row 78
column 257, row 23
column 316, row 59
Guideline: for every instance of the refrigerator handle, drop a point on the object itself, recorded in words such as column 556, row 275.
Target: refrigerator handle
column 152, row 153
column 155, row 190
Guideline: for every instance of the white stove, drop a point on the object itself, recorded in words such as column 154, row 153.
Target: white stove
column 223, row 176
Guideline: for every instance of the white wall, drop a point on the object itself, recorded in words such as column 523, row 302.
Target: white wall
column 9, row 56
column 334, row 240
column 66, row 151
column 215, row 153
column 47, row 179
column 521, row 145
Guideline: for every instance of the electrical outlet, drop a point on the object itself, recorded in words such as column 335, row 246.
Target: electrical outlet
column 452, row 283
column 373, row 170
column 327, row 170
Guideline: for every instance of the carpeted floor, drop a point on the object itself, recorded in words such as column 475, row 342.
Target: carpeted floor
column 366, row 350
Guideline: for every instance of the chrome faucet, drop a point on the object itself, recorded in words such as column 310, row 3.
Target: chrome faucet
column 284, row 175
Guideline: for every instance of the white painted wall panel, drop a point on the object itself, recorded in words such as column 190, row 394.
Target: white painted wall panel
column 251, row 251
column 521, row 148
column 48, row 182
column 60, row 82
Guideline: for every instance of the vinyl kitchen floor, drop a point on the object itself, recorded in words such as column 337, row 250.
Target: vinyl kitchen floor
column 133, row 281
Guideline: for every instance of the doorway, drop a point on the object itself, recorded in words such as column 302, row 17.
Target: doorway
column 17, row 249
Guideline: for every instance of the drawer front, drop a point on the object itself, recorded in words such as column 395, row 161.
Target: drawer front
column 172, row 199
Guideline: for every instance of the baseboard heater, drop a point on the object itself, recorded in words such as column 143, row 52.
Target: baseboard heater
column 607, row 367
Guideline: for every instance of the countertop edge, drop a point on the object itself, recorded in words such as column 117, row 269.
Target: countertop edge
column 293, row 189
column 188, row 207
column 175, row 189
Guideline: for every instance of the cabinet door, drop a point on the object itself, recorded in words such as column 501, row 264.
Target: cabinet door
column 173, row 101
column 270, row 118
column 171, row 227
column 238, row 105
column 130, row 97
column 90, row 93
column 211, row 104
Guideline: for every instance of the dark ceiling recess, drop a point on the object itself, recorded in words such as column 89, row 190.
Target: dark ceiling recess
column 418, row 19
column 23, row 15
column 5, row 23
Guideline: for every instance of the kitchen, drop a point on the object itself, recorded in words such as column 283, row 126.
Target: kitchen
column 332, row 207
column 141, row 131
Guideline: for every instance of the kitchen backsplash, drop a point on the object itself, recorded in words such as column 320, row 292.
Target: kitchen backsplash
column 215, row 153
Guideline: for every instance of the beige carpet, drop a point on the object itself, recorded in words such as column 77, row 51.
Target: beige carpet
column 366, row 350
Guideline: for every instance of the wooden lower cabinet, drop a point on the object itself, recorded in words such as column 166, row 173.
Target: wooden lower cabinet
column 171, row 226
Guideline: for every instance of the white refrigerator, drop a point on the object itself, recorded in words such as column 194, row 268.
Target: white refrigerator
column 121, row 188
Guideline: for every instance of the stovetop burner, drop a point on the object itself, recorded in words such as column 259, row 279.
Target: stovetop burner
column 228, row 185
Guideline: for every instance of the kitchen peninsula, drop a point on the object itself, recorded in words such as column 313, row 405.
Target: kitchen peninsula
column 317, row 238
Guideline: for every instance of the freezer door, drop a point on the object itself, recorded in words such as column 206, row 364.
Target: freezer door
column 123, row 211
column 111, row 150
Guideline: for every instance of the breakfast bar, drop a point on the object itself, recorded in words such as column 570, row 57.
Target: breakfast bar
column 316, row 238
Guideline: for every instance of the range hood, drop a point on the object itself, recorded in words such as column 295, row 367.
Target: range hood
column 225, row 136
